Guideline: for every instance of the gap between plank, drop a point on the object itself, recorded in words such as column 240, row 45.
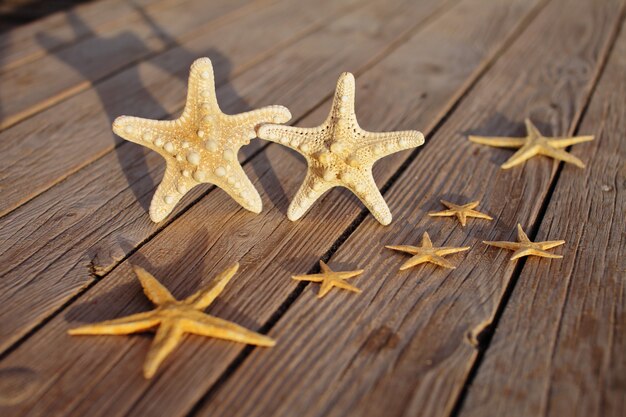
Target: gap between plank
column 485, row 336
column 97, row 277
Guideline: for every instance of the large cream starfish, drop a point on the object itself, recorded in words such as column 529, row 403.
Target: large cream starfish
column 427, row 253
column 534, row 144
column 340, row 153
column 201, row 145
column 525, row 247
column 462, row 212
column 175, row 318
column 330, row 279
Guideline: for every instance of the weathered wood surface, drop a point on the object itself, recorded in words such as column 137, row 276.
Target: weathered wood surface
column 406, row 344
column 559, row 348
column 89, row 250
column 409, row 343
column 138, row 35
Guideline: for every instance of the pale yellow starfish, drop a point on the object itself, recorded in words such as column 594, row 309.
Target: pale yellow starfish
column 427, row 253
column 534, row 144
column 462, row 212
column 330, row 279
column 175, row 318
column 340, row 153
column 201, row 145
column 526, row 248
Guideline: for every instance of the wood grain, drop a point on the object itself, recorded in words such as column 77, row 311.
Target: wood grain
column 268, row 244
column 559, row 347
column 27, row 89
column 54, row 239
column 52, row 139
column 406, row 344
column 20, row 45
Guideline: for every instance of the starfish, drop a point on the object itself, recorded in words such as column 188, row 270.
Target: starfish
column 526, row 248
column 427, row 253
column 201, row 145
column 340, row 153
column 330, row 279
column 534, row 144
column 175, row 318
column 462, row 212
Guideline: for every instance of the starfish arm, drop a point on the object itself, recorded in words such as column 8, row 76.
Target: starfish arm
column 344, row 285
column 426, row 242
column 297, row 138
column 343, row 100
column 478, row 215
column 348, row 274
column 562, row 155
column 565, row 142
column 415, row 260
column 531, row 129
column 310, row 190
column 440, row 261
column 503, row 245
column 521, row 235
column 201, row 97
column 167, row 338
column 367, row 191
column 379, row 145
column 153, row 289
column 205, row 325
column 498, row 141
column 544, row 254
column 522, row 155
column 124, row 325
column 145, row 132
column 447, row 250
column 462, row 216
column 239, row 187
column 170, row 191
column 443, row 213
column 311, row 278
column 203, row 298
column 250, row 121
column 548, row 244
column 325, row 288
column 403, row 248
column 324, row 267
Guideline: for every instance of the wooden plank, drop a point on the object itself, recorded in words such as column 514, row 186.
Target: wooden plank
column 84, row 63
column 559, row 347
column 50, row 140
column 20, row 45
column 58, row 239
column 405, row 345
column 268, row 245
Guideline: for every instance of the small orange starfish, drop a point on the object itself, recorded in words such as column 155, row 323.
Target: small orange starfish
column 330, row 279
column 526, row 248
column 462, row 212
column 534, row 144
column 175, row 318
column 427, row 253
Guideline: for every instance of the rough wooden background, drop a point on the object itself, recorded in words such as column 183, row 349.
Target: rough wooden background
column 538, row 337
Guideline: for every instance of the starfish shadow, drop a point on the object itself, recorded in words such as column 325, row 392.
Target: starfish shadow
column 500, row 125
column 128, row 298
column 141, row 103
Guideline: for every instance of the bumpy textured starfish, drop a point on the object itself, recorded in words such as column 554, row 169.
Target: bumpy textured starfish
column 525, row 247
column 330, row 279
column 427, row 253
column 462, row 212
column 175, row 318
column 534, row 144
column 201, row 145
column 340, row 153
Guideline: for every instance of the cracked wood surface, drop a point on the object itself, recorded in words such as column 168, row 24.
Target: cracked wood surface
column 409, row 344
